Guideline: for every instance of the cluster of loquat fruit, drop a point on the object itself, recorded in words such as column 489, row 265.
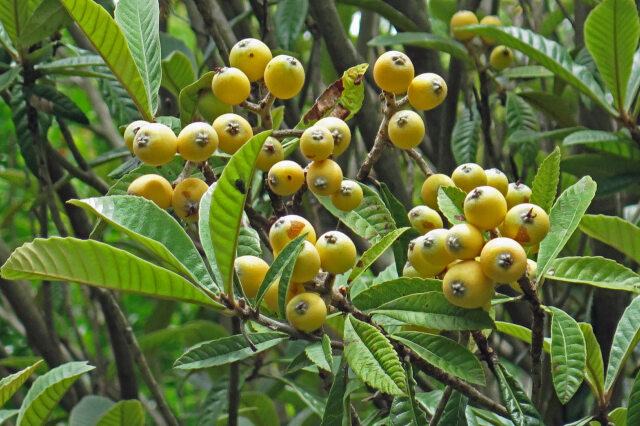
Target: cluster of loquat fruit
column 501, row 56
column 471, row 262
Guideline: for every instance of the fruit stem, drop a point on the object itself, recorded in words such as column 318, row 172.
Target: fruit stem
column 420, row 161
column 187, row 170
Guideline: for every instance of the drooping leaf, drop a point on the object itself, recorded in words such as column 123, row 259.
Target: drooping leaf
column 405, row 409
column 289, row 19
column 600, row 140
column 565, row 217
column 177, row 72
column 454, row 412
column 425, row 40
column 158, row 232
column 71, row 62
column 568, row 354
column 611, row 34
column 445, row 354
column 433, row 310
column 123, row 108
column 521, row 117
column 545, row 184
column 47, row 390
column 14, row 15
column 227, row 350
column 634, row 84
column 614, row 231
column 527, row 71
column 48, row 100
column 97, row 264
column 139, row 22
column 522, row 333
column 394, row 16
column 229, row 197
column 399, row 215
column 625, row 339
column 594, row 373
column 334, row 411
column 47, row 18
column 110, row 42
column 128, row 412
column 204, row 232
column 450, row 200
column 371, row 219
column 374, row 252
column 465, row 136
column 372, row 357
column 387, row 291
column 633, row 410
column 313, row 402
column 556, row 107
column 10, row 384
column 596, row 271
column 549, row 54
column 521, row 409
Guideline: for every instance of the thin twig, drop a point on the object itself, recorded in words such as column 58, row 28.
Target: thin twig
column 420, row 161
column 86, row 176
column 287, row 133
column 234, row 376
column 441, row 404
column 187, row 170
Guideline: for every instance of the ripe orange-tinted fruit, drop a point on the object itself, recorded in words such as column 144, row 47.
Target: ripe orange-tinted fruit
column 186, row 198
column 288, row 228
column 490, row 20
column 526, row 223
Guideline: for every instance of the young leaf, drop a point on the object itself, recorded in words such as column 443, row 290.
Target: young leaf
column 568, row 355
column 372, row 357
column 374, row 252
column 424, row 40
column 545, row 184
column 611, row 35
column 454, row 412
column 614, row 231
column 549, row 54
column 433, row 310
column 633, row 410
column 128, row 412
column 445, row 354
column 450, row 200
column 109, row 41
column 404, row 409
column 521, row 409
column 158, row 232
column 565, row 216
column 595, row 271
column 229, row 197
column 97, row 264
column 594, row 373
column 624, row 341
column 522, row 333
column 177, row 72
column 334, row 411
column 465, row 136
column 47, row 390
column 10, row 384
column 371, row 219
column 387, row 291
column 138, row 20
column 289, row 18
column 227, row 350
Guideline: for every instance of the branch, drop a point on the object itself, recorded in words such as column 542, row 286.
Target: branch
column 218, row 26
column 537, row 337
column 287, row 133
column 234, row 376
column 441, row 404
column 420, row 161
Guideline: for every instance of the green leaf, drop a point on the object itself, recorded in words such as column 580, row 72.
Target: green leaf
column 465, row 136
column 611, row 34
column 596, row 271
column 633, row 410
column 314, row 403
column 7, row 414
column 568, row 354
column 334, row 411
column 450, row 200
column 565, row 217
column 527, row 71
column 122, row 107
column 594, row 373
column 47, row 390
column 110, row 42
column 289, row 19
column 424, row 40
column 189, row 95
column 405, row 409
column 520, row 136
column 433, row 310
column 9, row 77
column 263, row 411
column 549, row 54
column 14, row 15
column 614, row 231
column 618, row 416
column 128, row 412
column 521, row 117
column 227, row 349
column 159, row 232
column 97, row 264
column 316, row 354
column 139, row 22
column 556, row 107
column 287, row 256
column 248, row 242
column 522, row 333
column 614, row 143
column 445, row 354
column 228, row 198
column 625, row 339
column 387, row 291
column 371, row 219
column 374, row 252
column 454, row 412
column 177, row 72
column 394, row 16
column 520, row 408
column 55, row 103
column 10, row 384
column 399, row 215
column 372, row 357
column 634, row 84
column 545, row 184
column 204, row 232
column 47, row 18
